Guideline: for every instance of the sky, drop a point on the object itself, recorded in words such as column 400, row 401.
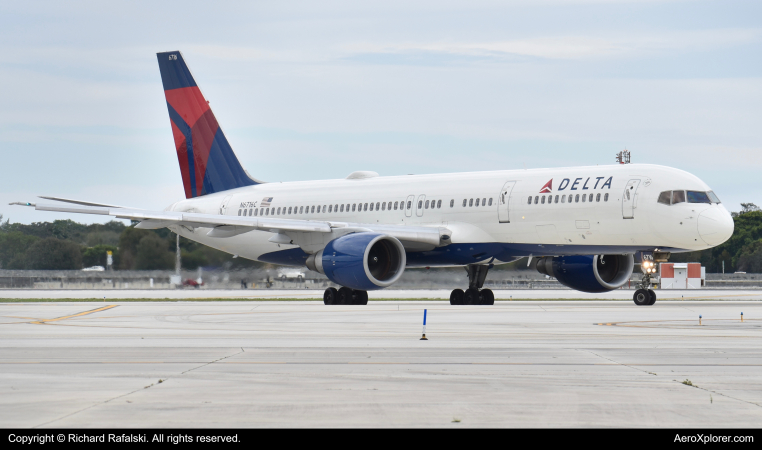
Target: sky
column 317, row 90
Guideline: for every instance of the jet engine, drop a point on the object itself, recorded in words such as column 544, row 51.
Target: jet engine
column 588, row 273
column 362, row 261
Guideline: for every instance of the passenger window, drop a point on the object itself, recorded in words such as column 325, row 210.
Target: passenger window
column 395, row 206
column 342, row 208
column 584, row 197
column 490, row 202
column 576, row 198
column 371, row 206
column 383, row 206
column 301, row 209
column 536, row 199
column 267, row 211
column 590, row 198
column 452, row 203
column 255, row 211
column 465, row 202
column 377, row 205
column 570, row 198
column 678, row 197
column 556, row 199
column 606, row 197
column 239, row 212
column 563, row 199
column 409, row 204
column 279, row 211
column 598, row 197
column 439, row 204
column 665, row 197
column 261, row 211
column 698, row 197
column 366, row 207
column 529, row 200
column 484, row 202
column 354, row 205
column 470, row 203
column 272, row 211
column 420, row 204
column 427, row 205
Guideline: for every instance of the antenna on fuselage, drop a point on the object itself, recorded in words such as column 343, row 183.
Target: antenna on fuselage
column 623, row 157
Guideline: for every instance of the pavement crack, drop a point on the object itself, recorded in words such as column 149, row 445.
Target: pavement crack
column 212, row 362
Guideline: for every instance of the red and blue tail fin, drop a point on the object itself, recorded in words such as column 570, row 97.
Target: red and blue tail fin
column 207, row 161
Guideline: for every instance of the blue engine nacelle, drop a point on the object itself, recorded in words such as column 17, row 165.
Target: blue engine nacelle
column 364, row 261
column 588, row 273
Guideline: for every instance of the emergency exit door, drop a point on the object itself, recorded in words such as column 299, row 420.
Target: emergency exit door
column 503, row 202
column 629, row 197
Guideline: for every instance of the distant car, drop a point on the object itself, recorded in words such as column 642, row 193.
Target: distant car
column 94, row 269
column 290, row 274
column 192, row 283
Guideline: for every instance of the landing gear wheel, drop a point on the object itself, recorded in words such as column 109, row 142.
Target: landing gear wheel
column 652, row 294
column 471, row 297
column 457, row 297
column 330, row 296
column 487, row 297
column 345, row 296
column 642, row 297
column 360, row 298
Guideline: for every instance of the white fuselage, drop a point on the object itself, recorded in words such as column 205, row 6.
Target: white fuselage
column 517, row 220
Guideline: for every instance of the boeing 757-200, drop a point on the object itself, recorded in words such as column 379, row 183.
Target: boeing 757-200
column 584, row 226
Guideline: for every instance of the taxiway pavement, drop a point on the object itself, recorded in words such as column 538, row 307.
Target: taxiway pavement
column 300, row 363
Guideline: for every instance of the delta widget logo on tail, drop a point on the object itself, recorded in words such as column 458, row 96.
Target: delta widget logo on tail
column 548, row 188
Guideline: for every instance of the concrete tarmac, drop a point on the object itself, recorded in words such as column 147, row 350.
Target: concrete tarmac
column 385, row 294
column 300, row 363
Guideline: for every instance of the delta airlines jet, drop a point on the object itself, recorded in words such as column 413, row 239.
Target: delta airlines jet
column 585, row 226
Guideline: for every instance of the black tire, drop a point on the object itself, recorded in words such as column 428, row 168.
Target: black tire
column 471, row 297
column 652, row 294
column 345, row 296
column 330, row 296
column 456, row 297
column 360, row 298
column 641, row 297
column 487, row 297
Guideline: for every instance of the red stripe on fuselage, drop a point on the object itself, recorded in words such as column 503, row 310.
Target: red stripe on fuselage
column 182, row 156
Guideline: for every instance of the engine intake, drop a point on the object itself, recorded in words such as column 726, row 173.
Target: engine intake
column 588, row 273
column 365, row 261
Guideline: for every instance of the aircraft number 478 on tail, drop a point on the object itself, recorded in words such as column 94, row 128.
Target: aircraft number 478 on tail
column 585, row 226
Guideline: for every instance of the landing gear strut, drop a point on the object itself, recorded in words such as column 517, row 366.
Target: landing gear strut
column 644, row 296
column 474, row 295
column 345, row 296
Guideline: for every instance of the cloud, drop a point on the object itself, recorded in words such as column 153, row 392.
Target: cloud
column 575, row 47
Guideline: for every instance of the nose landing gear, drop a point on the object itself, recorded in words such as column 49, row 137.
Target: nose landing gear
column 644, row 296
column 474, row 295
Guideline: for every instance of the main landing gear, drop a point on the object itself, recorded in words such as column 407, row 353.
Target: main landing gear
column 474, row 295
column 345, row 296
column 644, row 296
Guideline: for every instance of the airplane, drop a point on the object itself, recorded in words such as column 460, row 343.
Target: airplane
column 585, row 226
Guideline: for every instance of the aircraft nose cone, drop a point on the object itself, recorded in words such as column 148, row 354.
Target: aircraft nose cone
column 715, row 226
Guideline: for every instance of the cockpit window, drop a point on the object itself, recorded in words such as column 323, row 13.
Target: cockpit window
column 678, row 197
column 713, row 197
column 665, row 197
column 698, row 197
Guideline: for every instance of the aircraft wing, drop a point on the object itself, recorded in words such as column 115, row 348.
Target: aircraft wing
column 228, row 226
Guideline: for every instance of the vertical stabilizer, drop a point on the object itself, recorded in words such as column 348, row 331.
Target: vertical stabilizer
column 207, row 162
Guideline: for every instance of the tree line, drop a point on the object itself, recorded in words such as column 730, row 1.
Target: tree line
column 68, row 245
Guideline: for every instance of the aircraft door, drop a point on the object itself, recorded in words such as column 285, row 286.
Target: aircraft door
column 224, row 205
column 503, row 201
column 419, row 205
column 629, row 199
column 409, row 205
